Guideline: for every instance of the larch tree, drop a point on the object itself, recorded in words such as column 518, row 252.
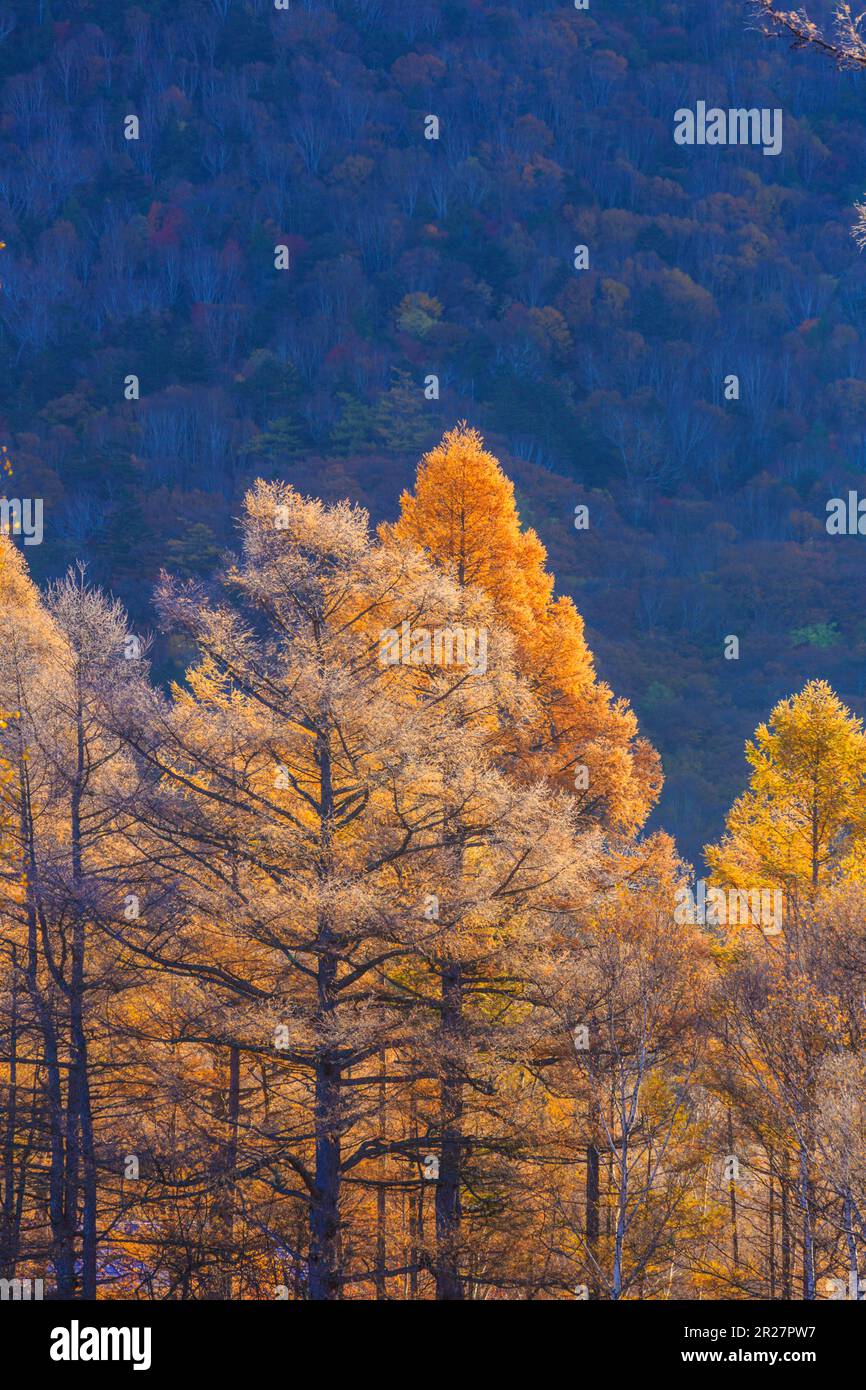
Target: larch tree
column 72, row 792
column 576, row 736
column 797, row 831
column 800, row 826
column 463, row 514
column 354, row 864
column 621, row 1000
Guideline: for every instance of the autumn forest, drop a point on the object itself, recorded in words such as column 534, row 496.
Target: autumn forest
column 342, row 971
column 432, row 743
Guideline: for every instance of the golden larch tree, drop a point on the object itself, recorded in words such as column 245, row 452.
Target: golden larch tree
column 464, row 515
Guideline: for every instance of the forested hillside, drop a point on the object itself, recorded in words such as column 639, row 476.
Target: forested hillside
column 409, row 257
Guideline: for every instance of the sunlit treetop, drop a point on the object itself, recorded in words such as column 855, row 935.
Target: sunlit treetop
column 463, row 513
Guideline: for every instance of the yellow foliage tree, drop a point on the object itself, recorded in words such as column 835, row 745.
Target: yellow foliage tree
column 800, row 825
column 463, row 513
column 798, row 828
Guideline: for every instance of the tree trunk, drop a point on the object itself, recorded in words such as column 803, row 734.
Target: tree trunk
column 592, row 1226
column 851, row 1243
column 324, row 1281
column 449, row 1285
column 772, row 1232
column 224, row 1215
column 803, row 1190
column 80, row 1142
column 732, row 1196
column 62, row 1253
column 324, row 1260
column 381, row 1210
column 786, row 1232
column 416, row 1208
column 9, row 1232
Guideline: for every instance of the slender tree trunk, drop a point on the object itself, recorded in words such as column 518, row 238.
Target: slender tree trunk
column 80, row 1151
column 62, row 1253
column 851, row 1243
column 381, row 1207
column 786, row 1231
column 449, row 1284
column 804, row 1193
column 324, row 1211
column 732, row 1196
column 80, row 1140
column 592, row 1224
column 324, row 1261
column 9, row 1232
column 226, row 1176
column 416, row 1208
column 772, row 1232
column 619, row 1237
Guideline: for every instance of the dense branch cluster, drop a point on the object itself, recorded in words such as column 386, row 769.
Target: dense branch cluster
column 848, row 48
